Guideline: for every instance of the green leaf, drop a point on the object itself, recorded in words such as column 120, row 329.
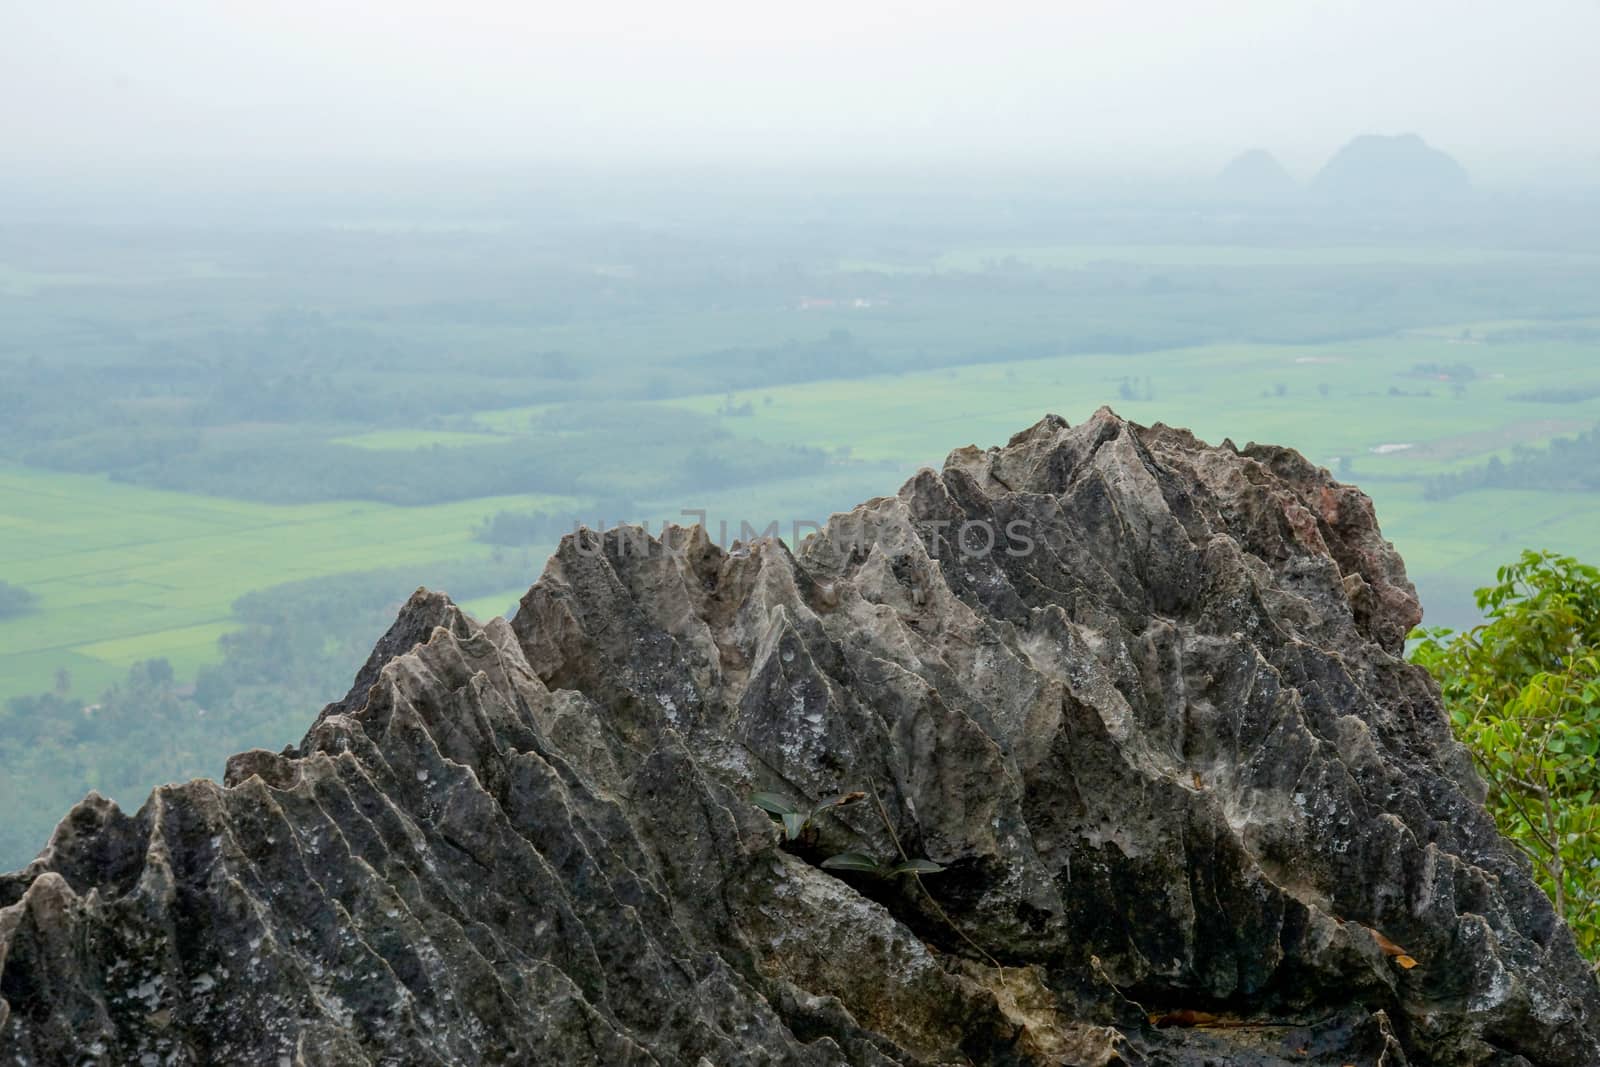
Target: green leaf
column 773, row 802
column 1522, row 691
column 793, row 824
column 853, row 861
column 916, row 867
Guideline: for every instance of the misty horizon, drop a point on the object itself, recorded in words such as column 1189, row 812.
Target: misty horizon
column 1098, row 91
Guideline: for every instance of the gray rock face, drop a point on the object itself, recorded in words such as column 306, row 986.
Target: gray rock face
column 1187, row 796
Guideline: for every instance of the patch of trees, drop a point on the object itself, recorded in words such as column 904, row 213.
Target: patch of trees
column 601, row 450
column 713, row 466
column 54, row 749
column 296, row 648
column 838, row 354
column 1569, row 333
column 518, row 529
column 15, row 600
column 1523, row 694
column 408, row 331
column 284, row 470
column 1567, row 463
column 1559, row 394
column 114, row 449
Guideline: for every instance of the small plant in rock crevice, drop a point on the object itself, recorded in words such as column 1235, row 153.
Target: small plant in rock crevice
column 796, row 819
column 861, row 863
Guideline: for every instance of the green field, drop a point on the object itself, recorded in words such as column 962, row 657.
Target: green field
column 125, row 573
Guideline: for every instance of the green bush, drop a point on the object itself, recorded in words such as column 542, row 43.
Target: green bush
column 1523, row 693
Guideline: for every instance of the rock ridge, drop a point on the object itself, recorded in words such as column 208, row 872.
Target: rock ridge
column 1141, row 697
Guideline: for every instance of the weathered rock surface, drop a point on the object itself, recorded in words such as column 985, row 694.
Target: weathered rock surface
column 1168, row 754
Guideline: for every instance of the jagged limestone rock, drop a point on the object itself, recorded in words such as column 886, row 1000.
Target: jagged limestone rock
column 1187, row 795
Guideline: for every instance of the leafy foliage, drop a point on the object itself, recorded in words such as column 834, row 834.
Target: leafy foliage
column 1523, row 692
column 864, row 864
column 794, row 819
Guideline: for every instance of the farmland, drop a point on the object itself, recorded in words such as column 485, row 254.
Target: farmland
column 227, row 456
column 126, row 573
column 1334, row 405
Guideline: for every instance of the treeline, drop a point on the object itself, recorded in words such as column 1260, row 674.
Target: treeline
column 338, row 334
column 1575, row 333
column 583, row 451
column 297, row 647
column 1560, row 394
column 1567, row 463
column 520, row 529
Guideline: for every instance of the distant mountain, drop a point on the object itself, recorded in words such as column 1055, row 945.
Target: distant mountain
column 1256, row 175
column 1376, row 169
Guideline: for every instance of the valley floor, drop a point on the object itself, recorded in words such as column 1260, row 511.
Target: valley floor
column 126, row 573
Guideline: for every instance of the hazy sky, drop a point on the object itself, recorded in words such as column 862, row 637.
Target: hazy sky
column 1164, row 83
